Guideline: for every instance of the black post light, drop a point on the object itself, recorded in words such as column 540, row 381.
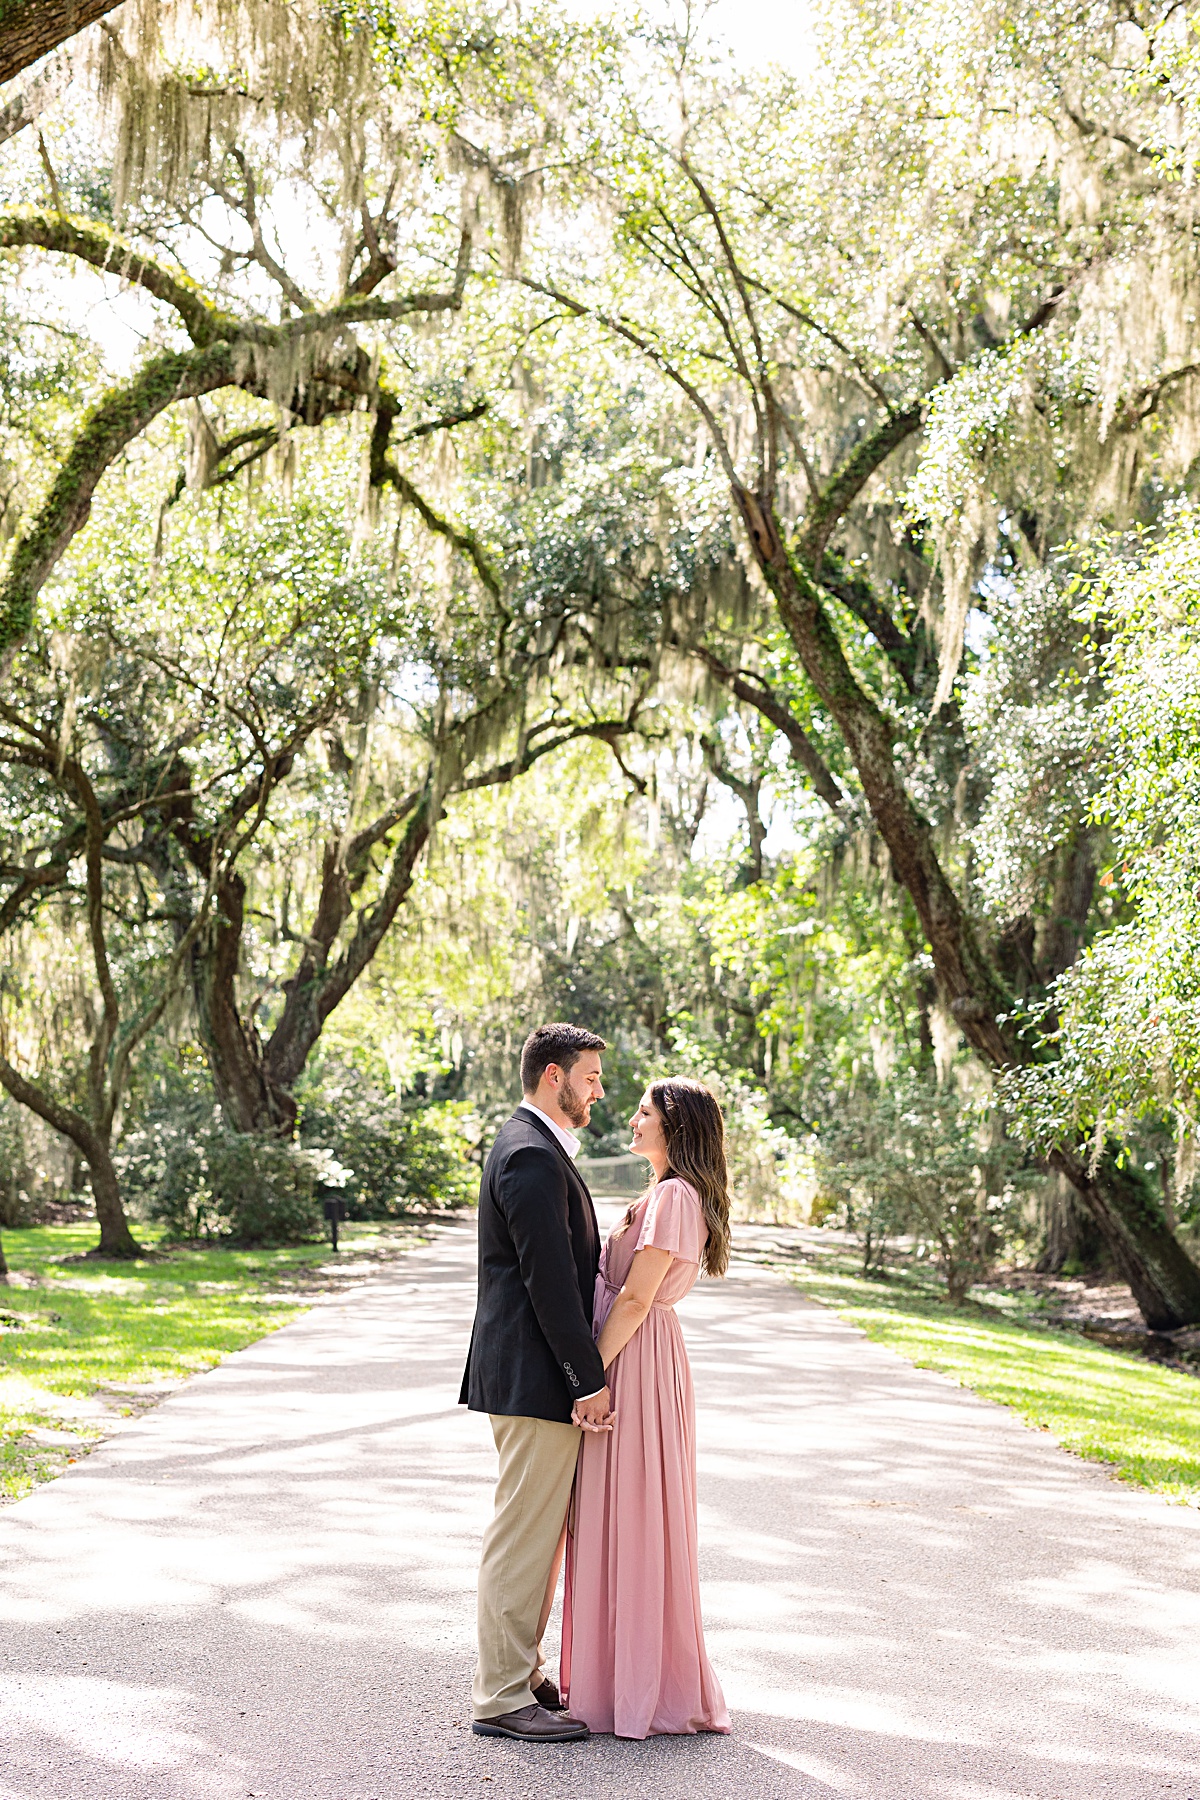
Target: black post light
column 335, row 1210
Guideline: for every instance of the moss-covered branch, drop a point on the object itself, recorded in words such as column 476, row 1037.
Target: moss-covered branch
column 95, row 243
column 858, row 594
column 224, row 355
column 754, row 691
column 39, row 92
column 115, row 420
column 847, row 482
column 385, row 471
column 606, row 731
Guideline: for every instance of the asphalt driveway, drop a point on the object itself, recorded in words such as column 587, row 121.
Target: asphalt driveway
column 265, row 1587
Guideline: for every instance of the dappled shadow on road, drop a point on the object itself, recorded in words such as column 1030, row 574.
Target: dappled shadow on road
column 267, row 1587
column 917, row 1594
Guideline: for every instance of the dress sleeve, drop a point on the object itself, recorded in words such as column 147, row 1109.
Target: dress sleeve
column 674, row 1221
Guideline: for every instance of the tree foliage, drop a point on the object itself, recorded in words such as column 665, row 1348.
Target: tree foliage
column 567, row 524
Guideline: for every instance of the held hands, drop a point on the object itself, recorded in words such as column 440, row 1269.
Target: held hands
column 595, row 1414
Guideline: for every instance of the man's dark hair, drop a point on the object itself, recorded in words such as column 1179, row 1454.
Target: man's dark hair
column 560, row 1044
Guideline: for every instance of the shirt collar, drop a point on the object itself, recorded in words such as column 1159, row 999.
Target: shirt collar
column 569, row 1142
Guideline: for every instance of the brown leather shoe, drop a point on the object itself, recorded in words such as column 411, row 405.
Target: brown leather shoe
column 547, row 1695
column 533, row 1725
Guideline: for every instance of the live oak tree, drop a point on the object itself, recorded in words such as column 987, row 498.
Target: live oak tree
column 487, row 665
column 80, row 799
column 290, row 214
column 300, row 705
column 157, row 716
column 300, row 213
column 208, row 797
column 893, row 300
column 306, row 370
column 924, row 358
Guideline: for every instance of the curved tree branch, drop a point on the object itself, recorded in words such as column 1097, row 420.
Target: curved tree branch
column 847, row 482
column 33, row 881
column 63, row 1119
column 754, row 692
column 860, row 597
column 113, row 422
column 222, row 357
column 748, row 791
column 315, row 989
column 249, row 211
column 831, row 337
column 30, row 29
column 385, row 471
column 39, row 92
column 608, row 731
column 622, row 329
column 105, row 249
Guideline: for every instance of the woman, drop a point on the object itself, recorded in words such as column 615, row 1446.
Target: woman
column 633, row 1657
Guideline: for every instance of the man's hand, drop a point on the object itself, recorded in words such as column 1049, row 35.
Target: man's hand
column 595, row 1414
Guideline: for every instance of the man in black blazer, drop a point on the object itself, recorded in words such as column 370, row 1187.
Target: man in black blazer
column 534, row 1368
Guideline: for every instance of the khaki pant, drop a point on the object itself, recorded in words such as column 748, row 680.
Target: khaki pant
column 537, row 1467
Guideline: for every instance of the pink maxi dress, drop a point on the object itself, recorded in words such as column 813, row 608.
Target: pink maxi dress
column 633, row 1657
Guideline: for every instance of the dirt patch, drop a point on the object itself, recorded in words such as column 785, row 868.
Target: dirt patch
column 1103, row 1310
column 61, row 1212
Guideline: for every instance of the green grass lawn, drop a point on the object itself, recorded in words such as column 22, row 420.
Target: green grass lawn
column 82, row 1342
column 1107, row 1405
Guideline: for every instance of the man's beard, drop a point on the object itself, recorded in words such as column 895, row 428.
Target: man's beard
column 574, row 1104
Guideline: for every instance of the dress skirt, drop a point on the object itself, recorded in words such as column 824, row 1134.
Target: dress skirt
column 634, row 1661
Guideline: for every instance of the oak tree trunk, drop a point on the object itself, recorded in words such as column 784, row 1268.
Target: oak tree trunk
column 321, row 982
column 254, row 1082
column 249, row 1098
column 116, row 1239
column 1128, row 1213
column 1164, row 1280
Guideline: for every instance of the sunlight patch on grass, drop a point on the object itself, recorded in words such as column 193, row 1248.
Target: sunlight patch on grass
column 1106, row 1405
column 86, row 1341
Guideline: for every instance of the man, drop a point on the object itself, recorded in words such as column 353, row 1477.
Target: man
column 533, row 1366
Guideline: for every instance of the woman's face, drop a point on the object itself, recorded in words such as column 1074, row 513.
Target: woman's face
column 649, row 1136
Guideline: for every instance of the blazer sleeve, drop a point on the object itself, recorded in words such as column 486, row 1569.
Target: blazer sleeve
column 532, row 1195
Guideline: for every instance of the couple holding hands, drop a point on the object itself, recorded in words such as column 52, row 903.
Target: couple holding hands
column 578, row 1358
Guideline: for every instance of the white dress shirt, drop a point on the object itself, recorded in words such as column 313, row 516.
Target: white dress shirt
column 567, row 1139
column 570, row 1144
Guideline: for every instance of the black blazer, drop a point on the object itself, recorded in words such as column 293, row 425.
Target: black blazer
column 532, row 1351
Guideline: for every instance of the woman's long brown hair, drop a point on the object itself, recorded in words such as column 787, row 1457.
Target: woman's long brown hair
column 695, row 1137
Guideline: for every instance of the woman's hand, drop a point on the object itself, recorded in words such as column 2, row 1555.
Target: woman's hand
column 647, row 1273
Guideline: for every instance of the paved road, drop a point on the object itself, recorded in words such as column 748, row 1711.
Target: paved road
column 265, row 1587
